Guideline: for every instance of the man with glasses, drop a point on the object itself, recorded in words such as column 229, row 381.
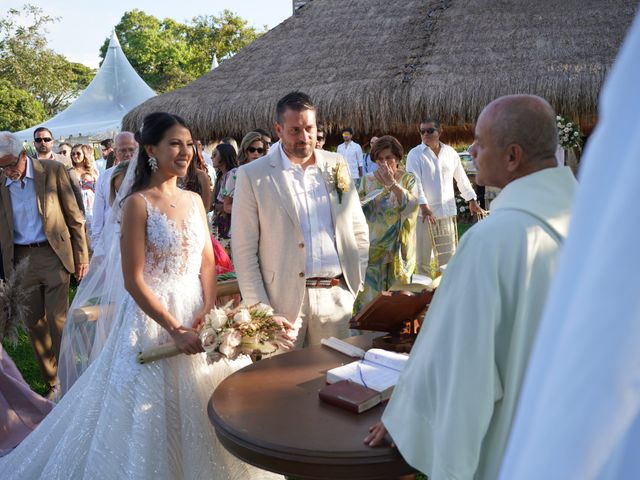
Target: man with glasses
column 64, row 149
column 108, row 155
column 125, row 147
column 40, row 221
column 436, row 165
column 266, row 139
column 321, row 137
column 43, row 141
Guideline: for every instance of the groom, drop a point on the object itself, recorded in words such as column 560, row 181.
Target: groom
column 300, row 242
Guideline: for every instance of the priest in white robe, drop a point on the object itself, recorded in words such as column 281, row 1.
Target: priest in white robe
column 451, row 412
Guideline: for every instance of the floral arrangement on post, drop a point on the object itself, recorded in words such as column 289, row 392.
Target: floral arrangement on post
column 227, row 333
column 569, row 133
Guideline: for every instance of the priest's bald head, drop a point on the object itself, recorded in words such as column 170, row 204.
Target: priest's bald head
column 515, row 135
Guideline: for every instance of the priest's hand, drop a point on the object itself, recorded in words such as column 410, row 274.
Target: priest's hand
column 378, row 436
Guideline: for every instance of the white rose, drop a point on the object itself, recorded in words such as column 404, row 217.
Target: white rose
column 575, row 134
column 569, row 124
column 215, row 319
column 558, row 117
column 243, row 316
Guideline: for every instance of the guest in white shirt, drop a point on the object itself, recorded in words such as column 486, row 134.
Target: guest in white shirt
column 125, row 148
column 436, row 165
column 352, row 153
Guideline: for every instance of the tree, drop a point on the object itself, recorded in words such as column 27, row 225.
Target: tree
column 18, row 109
column 29, row 65
column 168, row 54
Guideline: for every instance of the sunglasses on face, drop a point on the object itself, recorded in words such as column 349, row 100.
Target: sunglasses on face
column 320, row 138
column 76, row 154
column 63, row 152
column 427, row 130
column 254, row 150
column 43, row 139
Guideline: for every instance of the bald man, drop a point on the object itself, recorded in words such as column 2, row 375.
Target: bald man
column 125, row 146
column 452, row 409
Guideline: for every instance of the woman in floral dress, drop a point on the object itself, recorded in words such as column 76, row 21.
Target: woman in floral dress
column 389, row 199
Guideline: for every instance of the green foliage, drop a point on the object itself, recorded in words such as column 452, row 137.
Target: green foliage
column 18, row 109
column 29, row 65
column 24, row 358
column 168, row 54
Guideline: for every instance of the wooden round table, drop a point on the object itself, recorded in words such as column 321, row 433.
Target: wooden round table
column 269, row 415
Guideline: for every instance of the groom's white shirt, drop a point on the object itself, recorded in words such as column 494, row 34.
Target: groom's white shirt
column 269, row 249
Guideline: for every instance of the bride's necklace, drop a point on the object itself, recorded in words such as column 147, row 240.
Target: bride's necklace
column 173, row 202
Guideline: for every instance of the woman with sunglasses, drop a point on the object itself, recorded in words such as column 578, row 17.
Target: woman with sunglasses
column 251, row 147
column 83, row 162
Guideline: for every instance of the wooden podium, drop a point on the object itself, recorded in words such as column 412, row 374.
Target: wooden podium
column 398, row 313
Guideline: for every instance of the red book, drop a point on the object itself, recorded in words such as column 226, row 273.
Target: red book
column 350, row 396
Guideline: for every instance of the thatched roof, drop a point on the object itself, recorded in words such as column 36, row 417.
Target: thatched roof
column 380, row 65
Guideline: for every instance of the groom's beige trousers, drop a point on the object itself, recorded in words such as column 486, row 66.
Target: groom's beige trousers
column 325, row 313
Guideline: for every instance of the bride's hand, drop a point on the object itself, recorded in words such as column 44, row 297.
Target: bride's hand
column 198, row 318
column 187, row 340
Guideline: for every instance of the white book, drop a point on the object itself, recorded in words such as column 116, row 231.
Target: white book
column 343, row 347
column 378, row 370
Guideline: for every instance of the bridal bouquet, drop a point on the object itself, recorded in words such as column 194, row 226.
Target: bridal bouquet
column 227, row 333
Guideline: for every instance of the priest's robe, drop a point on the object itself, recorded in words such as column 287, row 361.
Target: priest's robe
column 451, row 411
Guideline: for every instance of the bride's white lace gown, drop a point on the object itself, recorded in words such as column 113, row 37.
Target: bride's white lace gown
column 123, row 420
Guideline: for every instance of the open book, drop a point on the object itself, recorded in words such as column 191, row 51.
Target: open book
column 379, row 370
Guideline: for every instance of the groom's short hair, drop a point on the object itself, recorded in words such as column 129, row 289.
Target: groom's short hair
column 296, row 101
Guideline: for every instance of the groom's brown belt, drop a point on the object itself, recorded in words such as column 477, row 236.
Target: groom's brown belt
column 324, row 282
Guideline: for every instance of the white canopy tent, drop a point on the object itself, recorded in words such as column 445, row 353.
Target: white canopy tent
column 98, row 111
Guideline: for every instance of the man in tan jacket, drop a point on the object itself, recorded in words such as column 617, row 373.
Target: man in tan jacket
column 299, row 238
column 40, row 220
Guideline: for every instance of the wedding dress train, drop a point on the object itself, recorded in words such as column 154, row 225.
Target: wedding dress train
column 123, row 420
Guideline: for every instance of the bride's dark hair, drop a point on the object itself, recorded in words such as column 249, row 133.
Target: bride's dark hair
column 154, row 127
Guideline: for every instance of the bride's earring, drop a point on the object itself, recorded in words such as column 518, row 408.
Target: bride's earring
column 153, row 164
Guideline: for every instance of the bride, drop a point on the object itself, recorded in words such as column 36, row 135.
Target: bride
column 121, row 419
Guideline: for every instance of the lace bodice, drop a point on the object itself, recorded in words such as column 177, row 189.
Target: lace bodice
column 172, row 249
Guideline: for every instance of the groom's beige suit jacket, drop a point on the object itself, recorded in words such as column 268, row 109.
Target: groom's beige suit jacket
column 269, row 253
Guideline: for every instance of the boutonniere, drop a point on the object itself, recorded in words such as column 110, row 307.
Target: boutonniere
column 340, row 179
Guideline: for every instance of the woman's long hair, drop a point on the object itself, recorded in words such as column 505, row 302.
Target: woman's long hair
column 229, row 159
column 154, row 127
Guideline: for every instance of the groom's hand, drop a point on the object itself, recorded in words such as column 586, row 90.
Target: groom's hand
column 286, row 339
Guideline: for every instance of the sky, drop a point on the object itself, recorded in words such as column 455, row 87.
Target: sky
column 84, row 24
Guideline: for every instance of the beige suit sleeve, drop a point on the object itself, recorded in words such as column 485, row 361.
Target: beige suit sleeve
column 245, row 241
column 73, row 216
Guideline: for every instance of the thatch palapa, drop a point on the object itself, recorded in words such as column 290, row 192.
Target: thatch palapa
column 381, row 65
